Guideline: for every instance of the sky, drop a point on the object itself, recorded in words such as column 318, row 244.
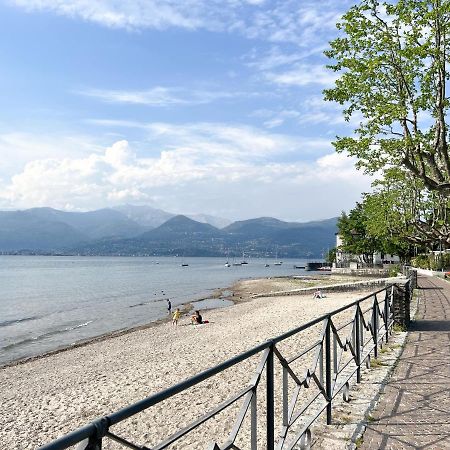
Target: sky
column 199, row 106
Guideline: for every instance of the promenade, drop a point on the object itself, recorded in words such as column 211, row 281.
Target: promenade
column 414, row 410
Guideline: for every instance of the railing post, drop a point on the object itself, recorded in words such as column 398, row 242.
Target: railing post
column 386, row 315
column 335, row 354
column 270, row 401
column 358, row 343
column 254, row 422
column 328, row 386
column 375, row 326
column 95, row 440
column 285, row 397
column 321, row 364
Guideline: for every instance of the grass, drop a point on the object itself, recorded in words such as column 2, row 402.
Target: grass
column 375, row 362
column 359, row 442
column 398, row 328
column 345, row 420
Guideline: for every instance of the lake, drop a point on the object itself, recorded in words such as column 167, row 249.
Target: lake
column 50, row 302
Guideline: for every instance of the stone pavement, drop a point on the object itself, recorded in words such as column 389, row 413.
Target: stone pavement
column 414, row 410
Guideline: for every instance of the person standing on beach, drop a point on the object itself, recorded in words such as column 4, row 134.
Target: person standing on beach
column 169, row 307
column 176, row 316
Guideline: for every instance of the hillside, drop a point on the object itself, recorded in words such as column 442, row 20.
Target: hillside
column 150, row 217
column 94, row 224
column 257, row 237
column 23, row 230
column 111, row 232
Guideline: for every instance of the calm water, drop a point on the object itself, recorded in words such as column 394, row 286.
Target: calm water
column 51, row 302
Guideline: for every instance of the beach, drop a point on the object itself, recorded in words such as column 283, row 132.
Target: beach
column 45, row 398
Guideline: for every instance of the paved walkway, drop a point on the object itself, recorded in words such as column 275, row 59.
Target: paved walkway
column 414, row 411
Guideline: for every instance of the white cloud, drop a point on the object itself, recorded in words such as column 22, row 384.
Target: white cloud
column 17, row 148
column 275, row 57
column 301, row 23
column 159, row 96
column 200, row 168
column 124, row 14
column 302, row 75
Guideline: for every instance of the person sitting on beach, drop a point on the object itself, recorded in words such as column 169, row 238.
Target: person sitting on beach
column 196, row 318
column 318, row 294
column 176, row 316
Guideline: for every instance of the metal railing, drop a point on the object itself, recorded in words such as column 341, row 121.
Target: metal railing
column 334, row 359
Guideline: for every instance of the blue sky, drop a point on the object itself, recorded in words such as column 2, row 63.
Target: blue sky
column 200, row 106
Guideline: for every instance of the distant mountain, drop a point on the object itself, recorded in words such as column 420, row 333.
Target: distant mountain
column 150, row 217
column 93, row 224
column 181, row 227
column 256, row 237
column 218, row 222
column 24, row 230
column 48, row 229
column 293, row 239
column 263, row 226
column 179, row 236
column 144, row 215
column 113, row 232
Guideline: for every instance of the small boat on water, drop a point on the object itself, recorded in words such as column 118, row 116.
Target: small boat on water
column 227, row 264
column 324, row 268
column 277, row 261
column 184, row 264
column 243, row 259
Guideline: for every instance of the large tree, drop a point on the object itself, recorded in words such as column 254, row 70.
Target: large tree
column 392, row 64
column 401, row 211
column 356, row 239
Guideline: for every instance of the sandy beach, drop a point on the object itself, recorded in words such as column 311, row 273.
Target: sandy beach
column 47, row 397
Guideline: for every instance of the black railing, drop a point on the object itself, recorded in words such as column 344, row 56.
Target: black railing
column 347, row 339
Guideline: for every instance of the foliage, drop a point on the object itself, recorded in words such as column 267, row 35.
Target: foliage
column 394, row 270
column 354, row 234
column 402, row 213
column 391, row 60
column 421, row 261
column 331, row 255
column 432, row 261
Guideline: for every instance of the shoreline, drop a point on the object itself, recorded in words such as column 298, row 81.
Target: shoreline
column 239, row 293
column 185, row 309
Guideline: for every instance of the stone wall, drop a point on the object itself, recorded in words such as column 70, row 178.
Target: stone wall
column 402, row 304
column 369, row 272
column 341, row 287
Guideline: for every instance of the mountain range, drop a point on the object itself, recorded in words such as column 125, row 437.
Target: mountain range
column 141, row 230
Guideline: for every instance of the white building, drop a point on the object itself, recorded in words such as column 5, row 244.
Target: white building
column 344, row 259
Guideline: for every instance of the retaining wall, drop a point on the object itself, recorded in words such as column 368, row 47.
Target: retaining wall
column 369, row 272
column 356, row 285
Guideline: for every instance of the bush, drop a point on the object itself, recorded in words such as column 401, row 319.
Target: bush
column 394, row 270
column 440, row 261
column 421, row 261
